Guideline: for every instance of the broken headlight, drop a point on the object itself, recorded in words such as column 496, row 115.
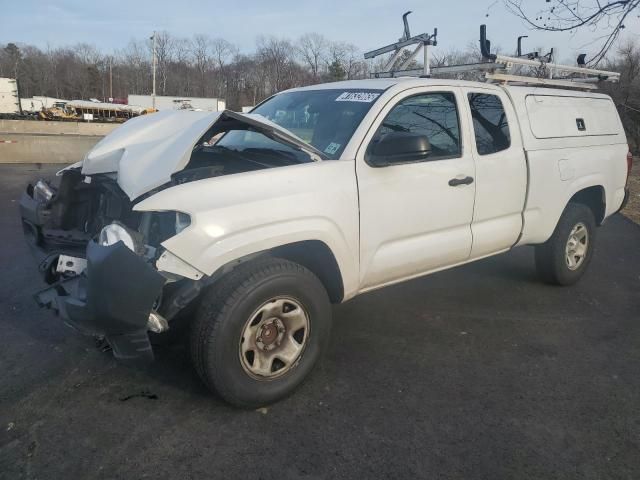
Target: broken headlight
column 113, row 233
column 42, row 192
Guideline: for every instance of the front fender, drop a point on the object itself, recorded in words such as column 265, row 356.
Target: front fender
column 209, row 249
column 238, row 215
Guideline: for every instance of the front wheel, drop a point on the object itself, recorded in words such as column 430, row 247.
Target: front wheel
column 260, row 330
column 563, row 259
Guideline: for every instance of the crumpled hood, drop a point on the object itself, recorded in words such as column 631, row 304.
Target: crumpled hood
column 145, row 151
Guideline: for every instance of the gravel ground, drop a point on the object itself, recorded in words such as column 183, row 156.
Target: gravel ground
column 477, row 372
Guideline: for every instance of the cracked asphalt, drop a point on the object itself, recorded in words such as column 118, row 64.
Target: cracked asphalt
column 478, row 372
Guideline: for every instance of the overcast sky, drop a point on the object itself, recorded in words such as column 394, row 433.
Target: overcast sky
column 110, row 24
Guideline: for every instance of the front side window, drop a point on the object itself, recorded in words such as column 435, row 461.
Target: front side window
column 431, row 114
column 489, row 123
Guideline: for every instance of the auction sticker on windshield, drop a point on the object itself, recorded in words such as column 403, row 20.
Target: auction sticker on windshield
column 365, row 97
column 332, row 148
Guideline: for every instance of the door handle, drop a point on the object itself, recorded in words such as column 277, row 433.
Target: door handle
column 454, row 182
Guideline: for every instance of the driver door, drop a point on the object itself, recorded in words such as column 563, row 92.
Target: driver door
column 416, row 216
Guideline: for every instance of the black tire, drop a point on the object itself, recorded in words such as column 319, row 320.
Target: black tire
column 551, row 256
column 222, row 317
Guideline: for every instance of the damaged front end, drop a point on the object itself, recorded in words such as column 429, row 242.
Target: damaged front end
column 99, row 256
column 109, row 272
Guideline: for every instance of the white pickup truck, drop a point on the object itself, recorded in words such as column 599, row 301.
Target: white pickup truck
column 250, row 225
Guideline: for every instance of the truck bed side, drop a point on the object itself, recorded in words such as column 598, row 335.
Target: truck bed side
column 566, row 155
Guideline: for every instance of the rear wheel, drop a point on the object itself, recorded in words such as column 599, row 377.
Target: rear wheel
column 563, row 259
column 260, row 330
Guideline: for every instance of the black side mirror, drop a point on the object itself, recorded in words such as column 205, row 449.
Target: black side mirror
column 398, row 147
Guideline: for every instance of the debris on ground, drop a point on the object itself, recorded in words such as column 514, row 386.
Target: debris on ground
column 142, row 394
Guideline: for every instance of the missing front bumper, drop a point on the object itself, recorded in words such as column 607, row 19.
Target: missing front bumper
column 112, row 298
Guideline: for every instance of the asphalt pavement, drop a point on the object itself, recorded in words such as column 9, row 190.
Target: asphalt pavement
column 480, row 372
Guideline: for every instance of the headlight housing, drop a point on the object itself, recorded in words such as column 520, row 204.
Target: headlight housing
column 115, row 232
column 42, row 192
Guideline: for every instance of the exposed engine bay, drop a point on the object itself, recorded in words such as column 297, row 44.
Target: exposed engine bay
column 78, row 208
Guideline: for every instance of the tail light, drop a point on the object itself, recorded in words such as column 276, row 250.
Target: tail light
column 629, row 163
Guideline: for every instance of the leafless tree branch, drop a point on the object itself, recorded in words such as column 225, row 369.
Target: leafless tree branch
column 571, row 15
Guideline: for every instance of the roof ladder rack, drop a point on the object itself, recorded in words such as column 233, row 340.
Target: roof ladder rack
column 527, row 69
column 421, row 42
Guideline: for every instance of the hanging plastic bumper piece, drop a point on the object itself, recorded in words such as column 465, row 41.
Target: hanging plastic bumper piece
column 113, row 298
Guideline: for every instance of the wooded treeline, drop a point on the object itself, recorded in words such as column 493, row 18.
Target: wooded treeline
column 203, row 66
column 200, row 66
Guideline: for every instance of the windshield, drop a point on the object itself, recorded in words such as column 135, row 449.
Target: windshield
column 325, row 119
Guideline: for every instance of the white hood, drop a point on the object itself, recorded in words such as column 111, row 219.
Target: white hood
column 147, row 150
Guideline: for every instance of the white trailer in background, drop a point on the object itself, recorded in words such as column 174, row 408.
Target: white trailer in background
column 178, row 103
column 36, row 103
column 9, row 99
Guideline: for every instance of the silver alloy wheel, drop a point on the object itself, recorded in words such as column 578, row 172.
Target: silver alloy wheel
column 274, row 338
column 577, row 245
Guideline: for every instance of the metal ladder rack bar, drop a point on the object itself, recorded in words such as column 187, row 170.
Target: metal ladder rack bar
column 602, row 74
column 505, row 78
column 443, row 70
column 422, row 42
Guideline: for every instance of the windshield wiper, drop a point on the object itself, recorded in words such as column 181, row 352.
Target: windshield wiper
column 290, row 157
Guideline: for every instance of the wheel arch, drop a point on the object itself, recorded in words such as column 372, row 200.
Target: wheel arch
column 541, row 219
column 593, row 197
column 315, row 255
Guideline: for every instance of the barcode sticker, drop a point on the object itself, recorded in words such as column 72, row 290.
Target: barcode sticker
column 365, row 97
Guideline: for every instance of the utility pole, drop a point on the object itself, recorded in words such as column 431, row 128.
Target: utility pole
column 111, row 78
column 153, row 63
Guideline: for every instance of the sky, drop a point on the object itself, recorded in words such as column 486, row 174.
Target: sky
column 111, row 24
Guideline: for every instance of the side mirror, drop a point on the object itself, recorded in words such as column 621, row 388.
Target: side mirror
column 398, row 147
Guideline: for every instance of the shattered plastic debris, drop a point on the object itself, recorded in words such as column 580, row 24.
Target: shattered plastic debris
column 102, row 344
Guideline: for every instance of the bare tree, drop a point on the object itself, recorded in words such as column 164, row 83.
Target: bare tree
column 223, row 52
column 354, row 64
column 201, row 51
column 164, row 53
column 626, row 93
column 135, row 68
column 249, row 86
column 276, row 58
column 571, row 15
column 181, row 71
column 14, row 56
column 312, row 49
column 470, row 54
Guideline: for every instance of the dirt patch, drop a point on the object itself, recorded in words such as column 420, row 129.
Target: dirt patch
column 632, row 210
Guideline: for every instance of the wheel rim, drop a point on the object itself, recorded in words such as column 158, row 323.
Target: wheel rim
column 274, row 338
column 577, row 245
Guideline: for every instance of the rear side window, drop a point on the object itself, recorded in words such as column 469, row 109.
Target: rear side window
column 432, row 114
column 489, row 123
